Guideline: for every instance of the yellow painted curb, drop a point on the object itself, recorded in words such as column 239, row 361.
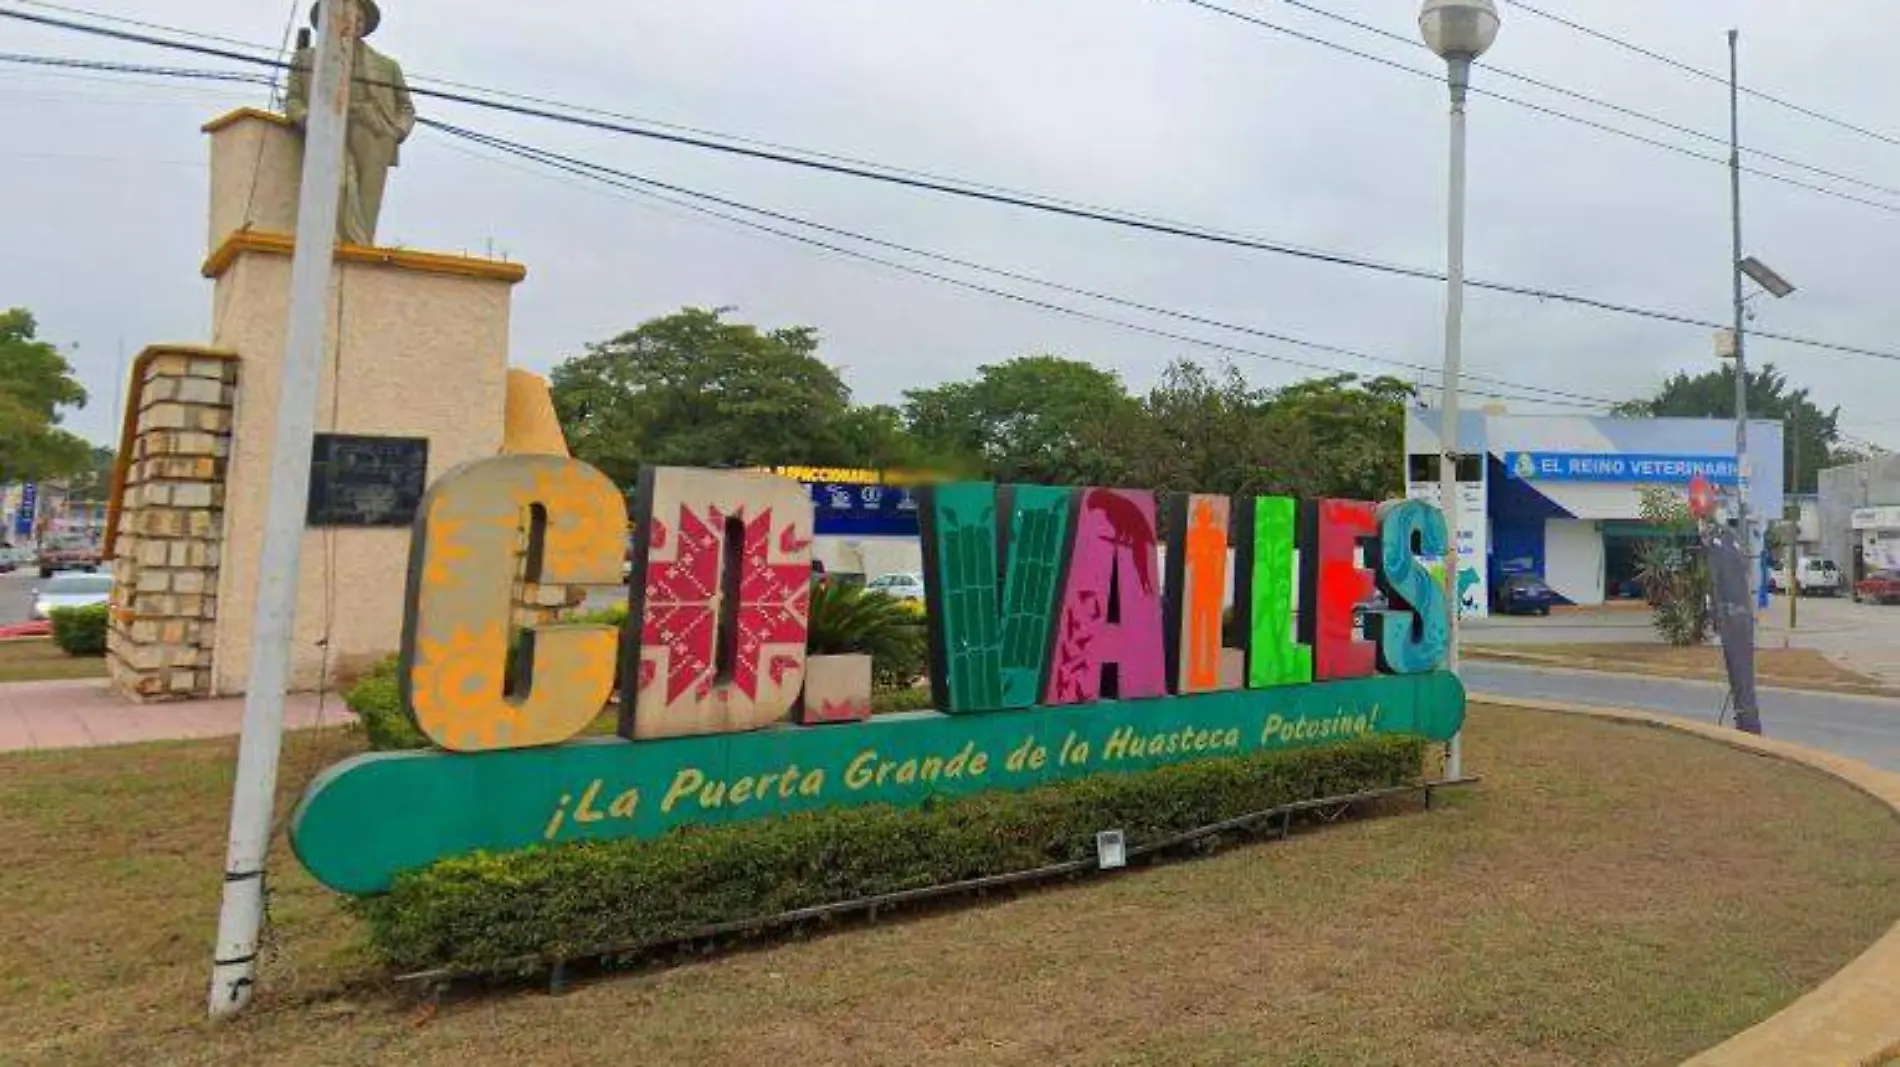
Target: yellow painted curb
column 1853, row 1018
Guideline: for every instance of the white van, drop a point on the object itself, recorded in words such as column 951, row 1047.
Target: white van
column 1818, row 577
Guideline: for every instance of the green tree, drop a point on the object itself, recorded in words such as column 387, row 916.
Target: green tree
column 1353, row 433
column 1673, row 570
column 93, row 484
column 1712, row 395
column 693, row 389
column 1036, row 419
column 36, row 383
column 1214, row 433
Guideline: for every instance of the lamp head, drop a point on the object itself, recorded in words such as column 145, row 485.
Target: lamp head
column 1459, row 29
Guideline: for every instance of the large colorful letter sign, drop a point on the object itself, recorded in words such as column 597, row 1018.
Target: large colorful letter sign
column 721, row 584
column 1197, row 593
column 1110, row 619
column 1041, row 600
column 462, row 567
column 1411, row 637
column 991, row 606
column 1276, row 566
column 1346, row 528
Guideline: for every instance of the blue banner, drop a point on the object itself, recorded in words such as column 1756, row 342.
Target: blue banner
column 844, row 509
column 29, row 506
column 1618, row 467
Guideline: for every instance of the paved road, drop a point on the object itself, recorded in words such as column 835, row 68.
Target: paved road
column 1864, row 728
column 16, row 595
column 1860, row 637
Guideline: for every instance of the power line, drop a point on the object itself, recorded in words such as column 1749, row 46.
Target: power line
column 1635, row 113
column 1552, row 112
column 1706, row 75
column 1027, row 201
column 646, row 187
column 551, row 157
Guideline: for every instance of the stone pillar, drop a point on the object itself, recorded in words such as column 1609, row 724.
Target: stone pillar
column 167, row 540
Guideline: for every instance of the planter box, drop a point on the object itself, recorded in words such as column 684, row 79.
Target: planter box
column 837, row 689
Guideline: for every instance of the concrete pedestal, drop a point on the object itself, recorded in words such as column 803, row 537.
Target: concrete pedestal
column 417, row 348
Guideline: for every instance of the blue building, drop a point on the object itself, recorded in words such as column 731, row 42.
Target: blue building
column 1559, row 496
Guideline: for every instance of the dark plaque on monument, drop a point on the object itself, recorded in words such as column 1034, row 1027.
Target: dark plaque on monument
column 366, row 481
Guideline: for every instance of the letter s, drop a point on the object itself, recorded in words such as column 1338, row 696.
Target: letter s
column 1411, row 641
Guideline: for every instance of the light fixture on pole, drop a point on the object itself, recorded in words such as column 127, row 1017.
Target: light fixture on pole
column 1764, row 275
column 1459, row 31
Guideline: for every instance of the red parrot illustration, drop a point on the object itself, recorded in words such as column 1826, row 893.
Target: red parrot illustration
column 1131, row 530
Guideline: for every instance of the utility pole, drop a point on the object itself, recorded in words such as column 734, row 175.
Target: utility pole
column 118, row 393
column 1794, row 540
column 1741, row 310
column 1748, row 720
column 240, row 918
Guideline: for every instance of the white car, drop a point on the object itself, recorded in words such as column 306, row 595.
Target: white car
column 71, row 589
column 903, row 585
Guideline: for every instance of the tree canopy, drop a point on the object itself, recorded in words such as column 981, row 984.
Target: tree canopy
column 1042, row 419
column 694, row 388
column 1805, row 425
column 36, row 384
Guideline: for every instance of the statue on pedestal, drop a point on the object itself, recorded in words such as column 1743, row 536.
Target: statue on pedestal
column 380, row 119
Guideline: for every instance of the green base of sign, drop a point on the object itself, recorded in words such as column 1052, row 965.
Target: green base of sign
column 370, row 817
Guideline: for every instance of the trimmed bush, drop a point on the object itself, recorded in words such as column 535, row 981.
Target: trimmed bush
column 377, row 701
column 913, row 699
column 484, row 912
column 80, row 631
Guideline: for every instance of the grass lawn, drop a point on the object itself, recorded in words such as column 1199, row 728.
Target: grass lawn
column 1795, row 667
column 38, row 659
column 1610, row 894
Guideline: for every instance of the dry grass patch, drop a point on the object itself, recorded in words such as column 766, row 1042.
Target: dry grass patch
column 38, row 659
column 1800, row 668
column 1612, row 894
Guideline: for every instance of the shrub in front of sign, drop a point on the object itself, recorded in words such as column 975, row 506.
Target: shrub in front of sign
column 80, row 631
column 497, row 914
column 376, row 701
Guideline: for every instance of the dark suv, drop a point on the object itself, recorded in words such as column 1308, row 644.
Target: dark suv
column 1523, row 594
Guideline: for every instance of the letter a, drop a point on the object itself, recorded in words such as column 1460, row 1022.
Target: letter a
column 1111, row 603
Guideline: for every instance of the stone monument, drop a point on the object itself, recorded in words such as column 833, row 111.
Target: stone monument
column 415, row 381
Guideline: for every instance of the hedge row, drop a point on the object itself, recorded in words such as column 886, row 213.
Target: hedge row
column 484, row 912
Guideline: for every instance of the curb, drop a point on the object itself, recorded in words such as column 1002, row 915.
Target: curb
column 1533, row 659
column 1851, row 1019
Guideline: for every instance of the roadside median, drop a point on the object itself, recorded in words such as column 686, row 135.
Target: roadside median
column 1847, row 1021
column 1785, row 668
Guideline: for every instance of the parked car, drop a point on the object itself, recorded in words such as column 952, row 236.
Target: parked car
column 1880, row 587
column 12, row 559
column 71, row 589
column 67, row 555
column 1523, row 594
column 903, row 585
column 1817, row 577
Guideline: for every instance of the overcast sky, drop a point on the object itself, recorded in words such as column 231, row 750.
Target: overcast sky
column 1153, row 106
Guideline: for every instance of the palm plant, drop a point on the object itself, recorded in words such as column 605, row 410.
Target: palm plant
column 848, row 620
column 1673, row 570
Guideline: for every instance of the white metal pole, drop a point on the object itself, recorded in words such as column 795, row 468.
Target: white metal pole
column 241, row 916
column 1460, row 71
column 1747, row 720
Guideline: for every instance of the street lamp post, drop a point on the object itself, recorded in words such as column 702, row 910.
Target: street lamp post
column 1459, row 31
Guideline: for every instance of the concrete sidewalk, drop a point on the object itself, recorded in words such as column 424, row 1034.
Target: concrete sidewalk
column 86, row 713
